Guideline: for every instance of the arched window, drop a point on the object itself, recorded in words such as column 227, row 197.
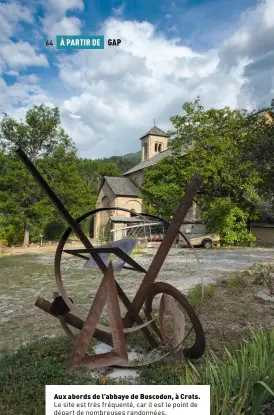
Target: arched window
column 145, row 151
column 156, row 147
column 105, row 202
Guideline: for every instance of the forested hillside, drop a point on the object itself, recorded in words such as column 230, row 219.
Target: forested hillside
column 125, row 162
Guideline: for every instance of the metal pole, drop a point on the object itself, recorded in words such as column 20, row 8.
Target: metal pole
column 165, row 246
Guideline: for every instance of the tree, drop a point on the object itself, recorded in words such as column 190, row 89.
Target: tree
column 125, row 162
column 260, row 149
column 229, row 221
column 92, row 172
column 40, row 134
column 165, row 184
column 210, row 142
column 22, row 202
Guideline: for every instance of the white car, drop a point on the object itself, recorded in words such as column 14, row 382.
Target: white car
column 205, row 241
column 198, row 236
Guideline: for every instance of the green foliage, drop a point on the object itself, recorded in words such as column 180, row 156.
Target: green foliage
column 19, row 198
column 40, row 134
column 23, row 375
column 54, row 230
column 124, row 163
column 260, row 151
column 22, row 201
column 92, row 172
column 237, row 281
column 162, row 374
column 214, row 144
column 164, row 185
column 198, row 294
column 234, row 379
column 225, row 218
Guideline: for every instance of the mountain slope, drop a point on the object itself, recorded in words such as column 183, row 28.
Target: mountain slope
column 125, row 162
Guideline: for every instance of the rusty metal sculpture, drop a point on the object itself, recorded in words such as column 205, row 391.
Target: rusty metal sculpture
column 63, row 307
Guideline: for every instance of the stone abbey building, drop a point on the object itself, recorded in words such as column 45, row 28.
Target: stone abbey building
column 124, row 191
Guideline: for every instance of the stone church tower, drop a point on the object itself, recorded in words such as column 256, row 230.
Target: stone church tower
column 153, row 142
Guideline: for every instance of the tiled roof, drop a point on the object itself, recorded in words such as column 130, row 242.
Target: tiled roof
column 155, row 131
column 126, row 219
column 122, row 186
column 148, row 163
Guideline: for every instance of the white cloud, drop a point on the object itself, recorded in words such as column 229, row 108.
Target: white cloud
column 15, row 99
column 60, row 7
column 56, row 22
column 147, row 77
column 114, row 94
column 11, row 13
column 16, row 55
column 75, row 116
column 21, row 54
column 11, row 72
column 64, row 26
column 118, row 11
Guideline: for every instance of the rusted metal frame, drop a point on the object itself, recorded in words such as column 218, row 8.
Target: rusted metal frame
column 169, row 304
column 55, row 200
column 77, row 229
column 106, row 293
column 77, row 322
column 59, row 206
column 116, row 324
column 73, row 321
column 198, row 348
column 112, row 250
column 131, row 269
column 74, row 253
column 121, row 294
column 164, row 248
column 63, row 323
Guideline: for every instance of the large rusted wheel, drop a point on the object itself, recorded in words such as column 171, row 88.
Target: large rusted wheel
column 198, row 348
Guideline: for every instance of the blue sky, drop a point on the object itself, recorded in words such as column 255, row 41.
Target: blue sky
column 171, row 52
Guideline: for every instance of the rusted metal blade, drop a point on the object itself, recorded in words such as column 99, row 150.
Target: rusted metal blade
column 198, row 348
column 61, row 310
column 103, row 360
column 169, row 305
column 73, row 321
column 75, row 253
column 164, row 248
column 102, row 333
column 126, row 245
column 106, row 293
column 104, row 253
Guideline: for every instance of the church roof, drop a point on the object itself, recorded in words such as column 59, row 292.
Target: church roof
column 126, row 219
column 148, row 163
column 122, row 186
column 155, row 131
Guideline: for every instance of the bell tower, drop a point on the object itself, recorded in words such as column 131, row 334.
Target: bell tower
column 153, row 142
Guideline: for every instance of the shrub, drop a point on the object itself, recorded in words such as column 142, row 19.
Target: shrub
column 198, row 294
column 229, row 221
column 241, row 382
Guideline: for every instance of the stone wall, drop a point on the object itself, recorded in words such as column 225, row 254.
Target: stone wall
column 264, row 235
